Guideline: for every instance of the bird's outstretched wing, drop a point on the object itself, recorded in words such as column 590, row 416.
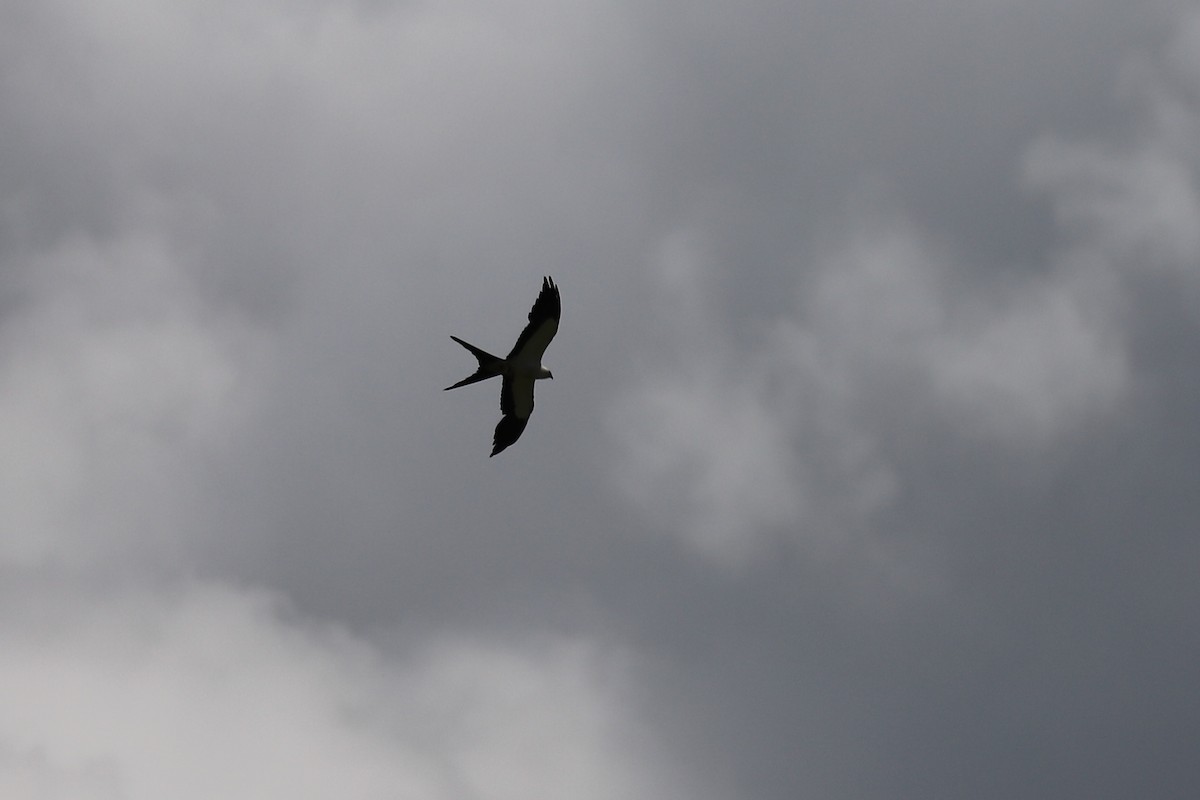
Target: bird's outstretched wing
column 516, row 403
column 543, row 324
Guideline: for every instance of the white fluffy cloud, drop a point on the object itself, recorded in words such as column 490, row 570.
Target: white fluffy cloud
column 206, row 691
column 115, row 381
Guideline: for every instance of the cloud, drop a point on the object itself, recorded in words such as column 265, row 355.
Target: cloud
column 1132, row 207
column 116, row 380
column 791, row 435
column 223, row 245
column 207, row 690
column 706, row 439
column 888, row 314
column 893, row 333
column 1012, row 366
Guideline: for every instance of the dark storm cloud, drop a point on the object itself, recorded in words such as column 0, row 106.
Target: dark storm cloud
column 955, row 435
column 866, row 472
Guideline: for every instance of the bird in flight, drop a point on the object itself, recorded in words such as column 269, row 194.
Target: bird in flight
column 521, row 368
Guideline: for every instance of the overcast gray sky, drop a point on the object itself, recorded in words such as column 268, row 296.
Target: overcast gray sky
column 870, row 465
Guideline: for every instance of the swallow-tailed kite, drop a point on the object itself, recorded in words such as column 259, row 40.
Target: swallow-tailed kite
column 521, row 368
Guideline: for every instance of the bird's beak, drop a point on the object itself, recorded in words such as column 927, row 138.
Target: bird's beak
column 551, row 376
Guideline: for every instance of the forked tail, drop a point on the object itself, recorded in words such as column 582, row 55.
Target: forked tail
column 489, row 365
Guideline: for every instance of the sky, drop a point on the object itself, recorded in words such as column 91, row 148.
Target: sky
column 869, row 465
